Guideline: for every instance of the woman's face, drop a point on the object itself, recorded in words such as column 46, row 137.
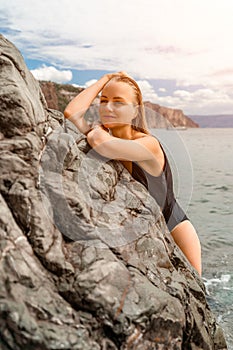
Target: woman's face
column 117, row 104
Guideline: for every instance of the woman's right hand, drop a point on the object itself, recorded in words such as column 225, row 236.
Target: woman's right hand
column 117, row 74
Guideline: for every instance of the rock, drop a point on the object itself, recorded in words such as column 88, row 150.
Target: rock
column 58, row 95
column 86, row 259
column 50, row 92
column 164, row 117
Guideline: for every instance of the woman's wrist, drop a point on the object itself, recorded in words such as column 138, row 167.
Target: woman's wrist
column 106, row 78
column 109, row 76
column 87, row 132
column 97, row 126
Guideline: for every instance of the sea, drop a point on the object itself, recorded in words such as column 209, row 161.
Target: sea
column 202, row 165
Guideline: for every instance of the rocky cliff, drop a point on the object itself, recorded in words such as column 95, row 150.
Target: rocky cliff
column 86, row 260
column 59, row 95
column 174, row 117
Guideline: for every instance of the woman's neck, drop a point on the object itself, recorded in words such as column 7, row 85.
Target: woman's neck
column 123, row 132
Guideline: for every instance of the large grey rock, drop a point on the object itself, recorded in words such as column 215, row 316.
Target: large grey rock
column 86, row 259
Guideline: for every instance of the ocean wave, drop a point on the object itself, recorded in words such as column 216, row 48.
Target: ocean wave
column 208, row 185
column 224, row 280
column 222, row 188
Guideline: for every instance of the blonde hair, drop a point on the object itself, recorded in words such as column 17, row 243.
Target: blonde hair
column 139, row 122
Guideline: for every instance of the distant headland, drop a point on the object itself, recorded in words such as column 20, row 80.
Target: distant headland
column 214, row 121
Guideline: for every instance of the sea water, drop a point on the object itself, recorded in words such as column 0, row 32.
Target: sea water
column 202, row 164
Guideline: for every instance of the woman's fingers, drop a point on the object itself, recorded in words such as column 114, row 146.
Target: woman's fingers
column 117, row 74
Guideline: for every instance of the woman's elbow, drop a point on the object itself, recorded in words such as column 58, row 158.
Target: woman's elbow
column 96, row 142
column 92, row 140
column 73, row 116
column 67, row 113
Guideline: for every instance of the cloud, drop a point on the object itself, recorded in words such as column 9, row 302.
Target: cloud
column 201, row 101
column 159, row 39
column 52, row 74
column 90, row 82
column 162, row 90
column 147, row 90
column 186, row 41
column 223, row 72
column 87, row 83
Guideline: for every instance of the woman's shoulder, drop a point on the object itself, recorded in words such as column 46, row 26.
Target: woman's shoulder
column 150, row 137
column 156, row 165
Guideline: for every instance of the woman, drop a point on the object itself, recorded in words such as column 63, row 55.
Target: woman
column 123, row 135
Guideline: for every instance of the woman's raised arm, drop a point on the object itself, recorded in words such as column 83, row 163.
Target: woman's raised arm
column 76, row 109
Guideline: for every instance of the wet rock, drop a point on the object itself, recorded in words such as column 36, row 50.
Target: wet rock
column 86, row 260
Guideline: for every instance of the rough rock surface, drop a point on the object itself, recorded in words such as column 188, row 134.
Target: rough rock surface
column 50, row 92
column 170, row 116
column 58, row 95
column 86, row 260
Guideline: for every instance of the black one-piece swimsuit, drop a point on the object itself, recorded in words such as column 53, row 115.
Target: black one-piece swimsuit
column 161, row 188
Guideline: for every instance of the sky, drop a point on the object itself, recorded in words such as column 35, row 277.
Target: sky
column 179, row 51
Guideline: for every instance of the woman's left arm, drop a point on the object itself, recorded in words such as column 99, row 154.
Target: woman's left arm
column 144, row 148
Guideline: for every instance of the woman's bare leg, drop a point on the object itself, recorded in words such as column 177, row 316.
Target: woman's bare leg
column 186, row 238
